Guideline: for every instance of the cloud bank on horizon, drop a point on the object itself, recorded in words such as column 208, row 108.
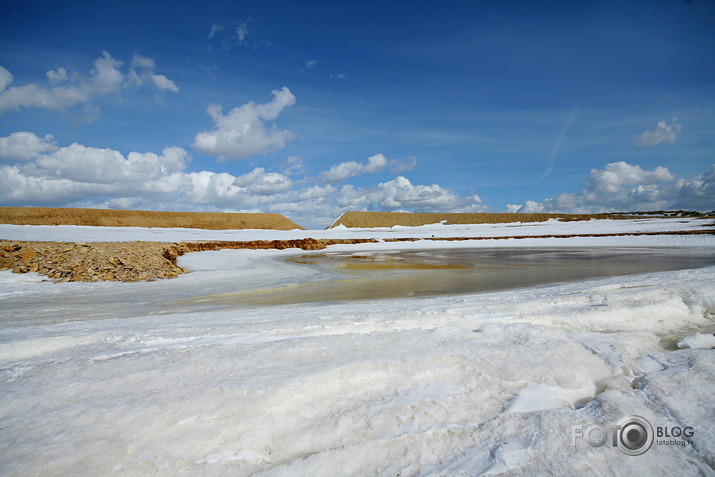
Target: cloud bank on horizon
column 314, row 158
column 36, row 171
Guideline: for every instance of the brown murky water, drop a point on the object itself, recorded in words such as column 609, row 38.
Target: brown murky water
column 396, row 274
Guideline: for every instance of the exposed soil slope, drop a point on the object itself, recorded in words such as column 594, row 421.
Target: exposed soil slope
column 143, row 218
column 409, row 219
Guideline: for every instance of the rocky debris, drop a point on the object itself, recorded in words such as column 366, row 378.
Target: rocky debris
column 125, row 261
column 89, row 262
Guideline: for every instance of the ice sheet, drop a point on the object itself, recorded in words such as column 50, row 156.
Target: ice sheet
column 101, row 378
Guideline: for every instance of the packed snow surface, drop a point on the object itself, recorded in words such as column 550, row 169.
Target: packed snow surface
column 78, row 233
column 138, row 378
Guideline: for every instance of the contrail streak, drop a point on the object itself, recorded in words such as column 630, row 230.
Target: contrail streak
column 557, row 145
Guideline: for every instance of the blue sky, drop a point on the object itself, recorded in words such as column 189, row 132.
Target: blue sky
column 313, row 108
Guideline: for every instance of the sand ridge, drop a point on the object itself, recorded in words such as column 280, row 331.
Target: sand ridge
column 413, row 219
column 271, row 221
column 144, row 218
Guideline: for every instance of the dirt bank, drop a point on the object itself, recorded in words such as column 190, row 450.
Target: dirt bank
column 143, row 218
column 125, row 261
column 408, row 219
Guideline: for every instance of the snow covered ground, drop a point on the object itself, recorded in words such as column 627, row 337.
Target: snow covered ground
column 102, row 378
column 74, row 233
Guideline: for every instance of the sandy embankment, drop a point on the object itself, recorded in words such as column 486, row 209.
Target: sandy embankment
column 143, row 218
column 409, row 219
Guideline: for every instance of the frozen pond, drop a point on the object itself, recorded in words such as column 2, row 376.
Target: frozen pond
column 236, row 279
column 346, row 276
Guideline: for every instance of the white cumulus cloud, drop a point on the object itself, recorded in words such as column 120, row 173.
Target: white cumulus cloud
column 142, row 71
column 24, row 146
column 622, row 187
column 162, row 82
column 340, row 172
column 663, row 133
column 36, row 171
column 612, row 178
column 40, row 172
column 378, row 162
column 401, row 194
column 258, row 181
column 6, row 79
column 345, row 170
column 243, row 133
column 71, row 89
column 697, row 193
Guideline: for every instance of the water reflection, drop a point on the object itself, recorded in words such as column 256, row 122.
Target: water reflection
column 395, row 274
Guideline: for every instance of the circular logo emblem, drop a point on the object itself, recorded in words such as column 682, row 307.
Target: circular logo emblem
column 635, row 435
